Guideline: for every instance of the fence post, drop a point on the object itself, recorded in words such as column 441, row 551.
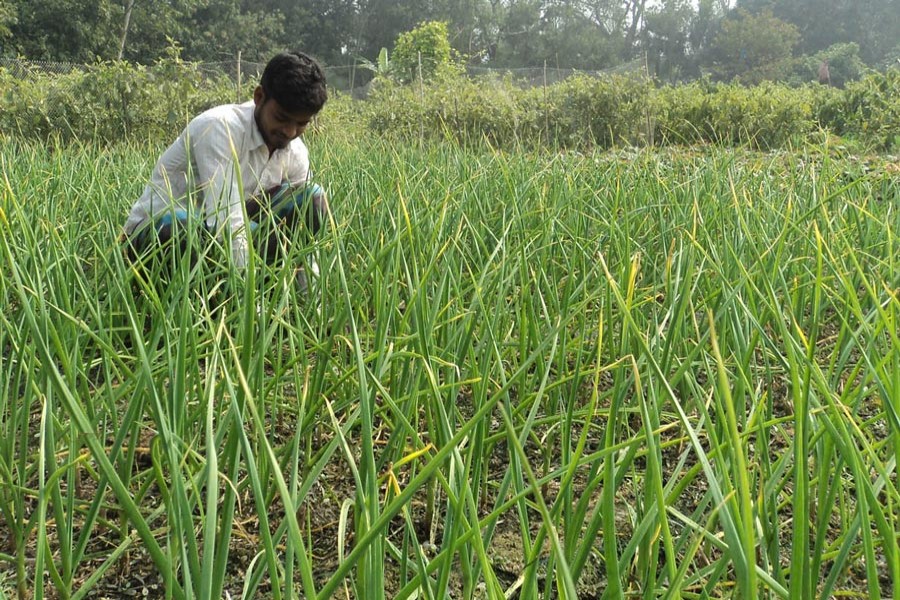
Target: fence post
column 352, row 77
column 648, row 117
column 238, row 94
column 421, row 102
column 546, row 108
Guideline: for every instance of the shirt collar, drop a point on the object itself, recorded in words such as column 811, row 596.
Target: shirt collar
column 256, row 138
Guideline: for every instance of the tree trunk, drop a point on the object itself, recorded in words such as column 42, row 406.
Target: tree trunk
column 636, row 8
column 129, row 6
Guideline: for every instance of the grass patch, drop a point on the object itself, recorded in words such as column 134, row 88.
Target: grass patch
column 667, row 374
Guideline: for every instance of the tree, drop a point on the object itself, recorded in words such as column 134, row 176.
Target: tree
column 891, row 60
column 563, row 33
column 218, row 29
column 129, row 8
column 618, row 19
column 706, row 23
column 572, row 39
column 424, row 51
column 753, row 47
column 519, row 40
column 462, row 18
column 381, row 21
column 148, row 27
column 667, row 35
column 64, row 30
column 7, row 19
column 873, row 24
column 322, row 28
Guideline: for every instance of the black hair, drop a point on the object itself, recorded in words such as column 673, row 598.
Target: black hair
column 296, row 81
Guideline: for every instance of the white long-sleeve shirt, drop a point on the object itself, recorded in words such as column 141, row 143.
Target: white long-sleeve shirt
column 219, row 160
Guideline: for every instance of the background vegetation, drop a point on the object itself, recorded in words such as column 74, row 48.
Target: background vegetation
column 116, row 101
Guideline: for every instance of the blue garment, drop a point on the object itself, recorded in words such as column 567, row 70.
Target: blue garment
column 286, row 200
column 283, row 206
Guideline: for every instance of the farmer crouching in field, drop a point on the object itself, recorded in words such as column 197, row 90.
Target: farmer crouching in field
column 240, row 172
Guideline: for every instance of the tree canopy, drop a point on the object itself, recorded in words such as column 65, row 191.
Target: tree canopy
column 676, row 39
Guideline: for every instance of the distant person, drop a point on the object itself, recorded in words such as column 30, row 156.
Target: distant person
column 824, row 73
column 240, row 172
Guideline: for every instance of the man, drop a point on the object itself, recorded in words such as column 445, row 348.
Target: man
column 240, row 171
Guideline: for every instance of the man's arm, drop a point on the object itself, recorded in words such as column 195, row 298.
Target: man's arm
column 297, row 171
column 215, row 154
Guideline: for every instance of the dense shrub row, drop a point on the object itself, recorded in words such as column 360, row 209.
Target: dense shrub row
column 767, row 115
column 109, row 101
column 113, row 101
column 618, row 110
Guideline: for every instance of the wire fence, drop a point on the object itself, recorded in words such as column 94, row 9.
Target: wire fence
column 541, row 76
column 48, row 96
column 350, row 79
column 355, row 80
column 26, row 68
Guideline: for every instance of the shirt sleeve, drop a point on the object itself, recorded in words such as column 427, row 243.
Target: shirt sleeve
column 297, row 171
column 215, row 156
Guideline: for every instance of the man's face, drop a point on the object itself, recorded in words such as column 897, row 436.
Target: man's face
column 277, row 126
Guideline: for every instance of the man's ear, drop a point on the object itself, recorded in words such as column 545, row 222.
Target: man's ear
column 259, row 96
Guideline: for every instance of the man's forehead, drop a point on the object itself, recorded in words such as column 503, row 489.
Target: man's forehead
column 300, row 115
